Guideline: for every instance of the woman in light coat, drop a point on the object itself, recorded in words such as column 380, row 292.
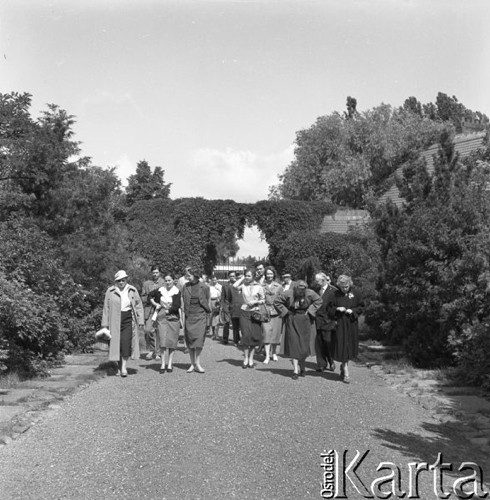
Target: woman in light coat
column 271, row 329
column 123, row 315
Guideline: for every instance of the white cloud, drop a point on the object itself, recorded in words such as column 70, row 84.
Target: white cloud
column 243, row 176
column 124, row 168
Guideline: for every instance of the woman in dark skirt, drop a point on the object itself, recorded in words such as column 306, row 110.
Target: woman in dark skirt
column 344, row 307
column 298, row 307
column 122, row 314
column 253, row 296
column 168, row 321
column 196, row 299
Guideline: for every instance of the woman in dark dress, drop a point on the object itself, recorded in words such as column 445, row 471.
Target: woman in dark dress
column 197, row 306
column 253, row 296
column 167, row 321
column 298, row 307
column 344, row 307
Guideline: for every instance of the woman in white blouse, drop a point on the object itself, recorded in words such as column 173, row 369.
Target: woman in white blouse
column 168, row 321
column 122, row 315
column 253, row 295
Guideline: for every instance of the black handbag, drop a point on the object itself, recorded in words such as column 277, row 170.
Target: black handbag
column 261, row 314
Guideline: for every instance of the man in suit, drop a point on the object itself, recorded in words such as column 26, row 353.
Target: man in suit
column 259, row 272
column 231, row 301
column 325, row 326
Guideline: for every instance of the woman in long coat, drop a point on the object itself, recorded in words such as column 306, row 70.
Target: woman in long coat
column 344, row 307
column 298, row 307
column 272, row 329
column 197, row 305
column 123, row 315
column 168, row 321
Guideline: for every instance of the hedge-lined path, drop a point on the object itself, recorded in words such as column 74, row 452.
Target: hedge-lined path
column 228, row 433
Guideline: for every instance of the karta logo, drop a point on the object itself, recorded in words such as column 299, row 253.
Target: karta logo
column 341, row 476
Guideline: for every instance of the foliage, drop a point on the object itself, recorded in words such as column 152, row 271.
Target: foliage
column 473, row 355
column 436, row 254
column 59, row 238
column 146, row 185
column 355, row 254
column 194, row 231
column 346, row 159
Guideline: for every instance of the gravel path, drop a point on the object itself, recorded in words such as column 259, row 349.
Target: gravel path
column 228, row 433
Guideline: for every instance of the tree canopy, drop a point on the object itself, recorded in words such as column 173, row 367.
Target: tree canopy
column 347, row 159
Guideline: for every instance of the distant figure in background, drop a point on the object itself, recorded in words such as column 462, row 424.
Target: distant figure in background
column 122, row 314
column 298, row 307
column 287, row 282
column 325, row 326
column 260, row 272
column 231, row 301
column 155, row 283
column 168, row 321
column 196, row 299
column 344, row 307
column 184, row 278
column 271, row 330
column 253, row 295
column 215, row 290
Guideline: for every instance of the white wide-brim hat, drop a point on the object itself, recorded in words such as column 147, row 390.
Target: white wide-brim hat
column 120, row 275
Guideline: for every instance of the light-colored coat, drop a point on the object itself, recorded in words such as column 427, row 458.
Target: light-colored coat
column 111, row 318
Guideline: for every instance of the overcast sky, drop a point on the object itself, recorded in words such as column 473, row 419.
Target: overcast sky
column 214, row 91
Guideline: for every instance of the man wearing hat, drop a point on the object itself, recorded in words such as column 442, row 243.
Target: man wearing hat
column 287, row 282
column 150, row 334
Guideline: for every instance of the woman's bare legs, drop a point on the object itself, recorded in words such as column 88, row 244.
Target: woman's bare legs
column 124, row 370
column 170, row 354
column 199, row 368
column 267, row 348
column 192, row 355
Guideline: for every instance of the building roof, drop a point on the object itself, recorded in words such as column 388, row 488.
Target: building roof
column 343, row 220
column 464, row 144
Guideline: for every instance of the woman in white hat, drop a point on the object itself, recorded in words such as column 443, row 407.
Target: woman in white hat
column 122, row 315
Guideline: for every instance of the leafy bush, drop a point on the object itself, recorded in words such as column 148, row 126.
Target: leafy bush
column 355, row 254
column 435, row 252
column 473, row 355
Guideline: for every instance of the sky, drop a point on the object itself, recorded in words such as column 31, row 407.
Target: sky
column 214, row 91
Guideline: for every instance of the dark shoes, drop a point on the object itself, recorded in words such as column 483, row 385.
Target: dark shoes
column 295, row 376
column 332, row 366
column 302, row 373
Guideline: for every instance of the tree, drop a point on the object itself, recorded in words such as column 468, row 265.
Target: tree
column 146, row 185
column 435, row 277
column 346, row 161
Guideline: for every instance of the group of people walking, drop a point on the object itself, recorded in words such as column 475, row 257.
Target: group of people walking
column 282, row 317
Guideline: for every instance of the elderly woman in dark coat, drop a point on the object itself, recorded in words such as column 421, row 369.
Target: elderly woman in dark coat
column 344, row 307
column 122, row 315
column 298, row 307
column 197, row 305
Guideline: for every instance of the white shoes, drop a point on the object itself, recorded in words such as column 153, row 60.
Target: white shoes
column 274, row 357
column 266, row 361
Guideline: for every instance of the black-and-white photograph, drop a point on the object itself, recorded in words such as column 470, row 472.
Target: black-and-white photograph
column 244, row 249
